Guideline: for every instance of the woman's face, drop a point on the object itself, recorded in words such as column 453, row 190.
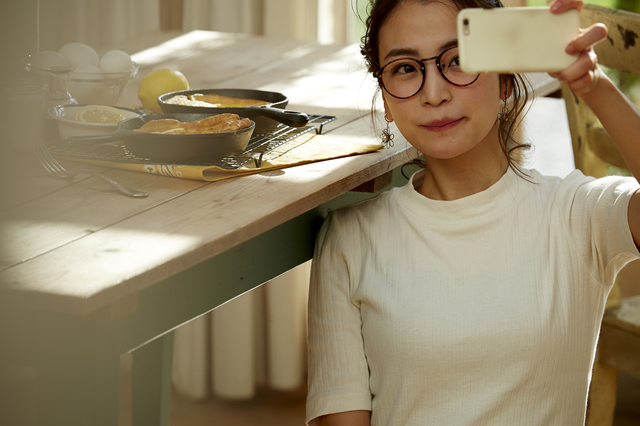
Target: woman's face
column 442, row 121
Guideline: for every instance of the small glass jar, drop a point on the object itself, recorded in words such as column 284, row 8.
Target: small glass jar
column 23, row 102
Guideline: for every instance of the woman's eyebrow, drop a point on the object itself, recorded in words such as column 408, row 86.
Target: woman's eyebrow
column 410, row 52
column 450, row 43
column 402, row 51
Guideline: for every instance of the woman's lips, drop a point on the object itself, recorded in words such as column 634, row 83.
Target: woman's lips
column 442, row 125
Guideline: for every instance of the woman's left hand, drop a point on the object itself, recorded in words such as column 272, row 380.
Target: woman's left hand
column 583, row 75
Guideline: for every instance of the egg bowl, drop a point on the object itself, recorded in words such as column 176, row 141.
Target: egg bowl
column 103, row 88
column 90, row 88
column 69, row 126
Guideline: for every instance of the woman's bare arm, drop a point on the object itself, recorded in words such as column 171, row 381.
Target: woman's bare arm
column 348, row 418
column 621, row 119
column 618, row 115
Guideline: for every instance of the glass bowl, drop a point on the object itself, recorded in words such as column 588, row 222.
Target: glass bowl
column 90, row 88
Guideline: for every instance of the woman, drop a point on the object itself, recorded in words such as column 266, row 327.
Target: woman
column 474, row 294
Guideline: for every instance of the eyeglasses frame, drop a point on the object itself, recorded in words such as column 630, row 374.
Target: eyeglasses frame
column 423, row 69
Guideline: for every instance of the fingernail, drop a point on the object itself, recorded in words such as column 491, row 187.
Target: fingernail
column 570, row 49
column 555, row 6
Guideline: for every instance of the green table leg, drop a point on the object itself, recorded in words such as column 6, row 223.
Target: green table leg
column 152, row 382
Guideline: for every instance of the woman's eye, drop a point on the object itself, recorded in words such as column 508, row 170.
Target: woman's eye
column 454, row 62
column 405, row 68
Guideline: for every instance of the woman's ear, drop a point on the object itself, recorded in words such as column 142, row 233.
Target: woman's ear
column 506, row 87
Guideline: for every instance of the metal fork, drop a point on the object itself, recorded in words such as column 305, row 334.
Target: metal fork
column 54, row 168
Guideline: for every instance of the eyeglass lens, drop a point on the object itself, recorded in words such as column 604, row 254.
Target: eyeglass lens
column 403, row 78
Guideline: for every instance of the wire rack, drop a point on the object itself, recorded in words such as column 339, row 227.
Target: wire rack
column 281, row 140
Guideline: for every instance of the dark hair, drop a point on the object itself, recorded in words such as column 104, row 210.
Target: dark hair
column 378, row 11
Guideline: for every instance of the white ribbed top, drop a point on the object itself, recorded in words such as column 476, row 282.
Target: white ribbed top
column 479, row 311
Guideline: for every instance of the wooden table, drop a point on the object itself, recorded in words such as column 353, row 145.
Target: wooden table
column 87, row 274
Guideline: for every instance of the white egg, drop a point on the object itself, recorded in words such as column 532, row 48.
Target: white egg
column 87, row 72
column 116, row 61
column 79, row 54
column 49, row 58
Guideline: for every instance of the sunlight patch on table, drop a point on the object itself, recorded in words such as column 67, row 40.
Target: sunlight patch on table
column 117, row 251
column 191, row 42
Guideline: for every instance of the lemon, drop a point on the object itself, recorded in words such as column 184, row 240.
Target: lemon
column 102, row 114
column 158, row 83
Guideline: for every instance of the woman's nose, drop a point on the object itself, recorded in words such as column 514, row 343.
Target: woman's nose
column 435, row 89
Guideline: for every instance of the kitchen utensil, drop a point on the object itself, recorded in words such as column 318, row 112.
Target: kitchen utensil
column 266, row 117
column 54, row 168
column 171, row 148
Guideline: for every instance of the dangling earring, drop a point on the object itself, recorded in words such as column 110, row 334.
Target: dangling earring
column 387, row 136
column 503, row 114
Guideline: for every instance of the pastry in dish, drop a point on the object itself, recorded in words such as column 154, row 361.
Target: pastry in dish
column 220, row 123
column 213, row 100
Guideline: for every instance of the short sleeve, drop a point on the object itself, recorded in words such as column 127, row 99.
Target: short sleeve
column 596, row 214
column 338, row 369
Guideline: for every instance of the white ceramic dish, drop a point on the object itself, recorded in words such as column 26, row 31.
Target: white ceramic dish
column 68, row 126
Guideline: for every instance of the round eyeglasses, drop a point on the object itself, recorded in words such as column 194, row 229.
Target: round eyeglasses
column 403, row 78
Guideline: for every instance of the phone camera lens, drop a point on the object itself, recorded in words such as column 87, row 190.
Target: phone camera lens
column 465, row 21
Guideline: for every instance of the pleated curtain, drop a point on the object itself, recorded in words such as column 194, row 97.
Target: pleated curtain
column 326, row 21
column 257, row 339
column 94, row 22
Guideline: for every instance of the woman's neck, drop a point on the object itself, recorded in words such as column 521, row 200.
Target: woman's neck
column 460, row 177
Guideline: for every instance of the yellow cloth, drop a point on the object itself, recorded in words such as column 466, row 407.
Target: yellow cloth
column 306, row 148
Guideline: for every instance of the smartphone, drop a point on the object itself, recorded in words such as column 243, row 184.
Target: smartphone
column 515, row 39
